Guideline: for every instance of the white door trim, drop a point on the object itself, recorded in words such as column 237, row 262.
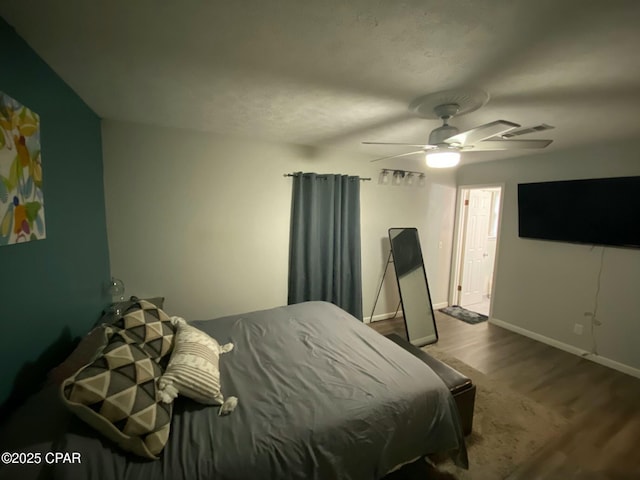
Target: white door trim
column 458, row 232
column 458, row 242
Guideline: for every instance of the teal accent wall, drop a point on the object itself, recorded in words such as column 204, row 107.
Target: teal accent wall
column 52, row 290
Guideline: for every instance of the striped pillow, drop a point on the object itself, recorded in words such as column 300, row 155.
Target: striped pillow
column 193, row 369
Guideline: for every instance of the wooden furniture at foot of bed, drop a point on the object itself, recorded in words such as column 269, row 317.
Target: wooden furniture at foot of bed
column 461, row 387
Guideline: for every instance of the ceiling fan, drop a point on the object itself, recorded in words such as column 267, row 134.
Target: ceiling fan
column 447, row 142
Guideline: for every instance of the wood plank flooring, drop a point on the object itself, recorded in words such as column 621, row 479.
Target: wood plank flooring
column 602, row 440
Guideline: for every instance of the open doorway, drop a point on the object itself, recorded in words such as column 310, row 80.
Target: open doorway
column 478, row 223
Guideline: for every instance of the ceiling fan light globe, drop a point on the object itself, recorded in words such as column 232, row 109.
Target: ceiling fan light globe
column 442, row 159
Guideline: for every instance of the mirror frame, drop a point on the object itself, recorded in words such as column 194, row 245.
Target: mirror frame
column 424, row 272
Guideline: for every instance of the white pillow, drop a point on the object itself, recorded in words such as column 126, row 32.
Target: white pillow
column 193, row 369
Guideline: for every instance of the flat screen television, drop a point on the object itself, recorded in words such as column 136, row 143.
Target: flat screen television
column 599, row 211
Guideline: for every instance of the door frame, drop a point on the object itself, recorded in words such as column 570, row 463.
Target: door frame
column 459, row 234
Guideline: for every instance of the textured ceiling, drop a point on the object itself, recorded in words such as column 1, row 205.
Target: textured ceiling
column 335, row 73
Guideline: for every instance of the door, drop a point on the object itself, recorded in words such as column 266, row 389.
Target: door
column 478, row 213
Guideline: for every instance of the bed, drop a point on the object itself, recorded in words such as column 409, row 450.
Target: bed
column 321, row 396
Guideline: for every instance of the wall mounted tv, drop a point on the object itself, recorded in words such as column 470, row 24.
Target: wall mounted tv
column 599, row 211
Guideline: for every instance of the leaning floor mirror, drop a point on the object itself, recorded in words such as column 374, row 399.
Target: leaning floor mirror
column 412, row 283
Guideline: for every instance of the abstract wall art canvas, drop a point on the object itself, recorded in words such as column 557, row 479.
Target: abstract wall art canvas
column 21, row 198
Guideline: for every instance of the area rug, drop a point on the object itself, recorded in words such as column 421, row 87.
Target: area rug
column 508, row 429
column 463, row 314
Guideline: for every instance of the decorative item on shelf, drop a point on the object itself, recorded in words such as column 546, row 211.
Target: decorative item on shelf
column 401, row 177
column 116, row 290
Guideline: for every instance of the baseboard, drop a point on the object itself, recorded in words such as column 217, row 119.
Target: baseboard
column 381, row 316
column 438, row 306
column 607, row 362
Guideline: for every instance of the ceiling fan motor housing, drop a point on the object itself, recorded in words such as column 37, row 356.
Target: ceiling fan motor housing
column 440, row 134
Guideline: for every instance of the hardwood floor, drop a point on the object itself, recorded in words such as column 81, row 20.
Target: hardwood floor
column 602, row 440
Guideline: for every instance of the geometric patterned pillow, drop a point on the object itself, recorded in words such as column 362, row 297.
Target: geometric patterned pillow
column 148, row 326
column 85, row 352
column 117, row 395
column 114, row 311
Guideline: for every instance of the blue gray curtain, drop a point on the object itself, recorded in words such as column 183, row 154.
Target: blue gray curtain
column 324, row 248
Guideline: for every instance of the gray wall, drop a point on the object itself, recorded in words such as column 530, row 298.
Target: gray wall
column 52, row 289
column 546, row 287
column 203, row 219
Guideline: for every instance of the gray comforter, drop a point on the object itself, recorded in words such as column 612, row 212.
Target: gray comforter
column 322, row 396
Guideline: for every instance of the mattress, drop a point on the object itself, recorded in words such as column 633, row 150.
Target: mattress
column 321, row 396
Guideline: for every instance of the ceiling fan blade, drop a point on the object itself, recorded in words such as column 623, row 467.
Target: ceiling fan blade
column 396, row 156
column 523, row 131
column 507, row 145
column 475, row 135
column 403, row 144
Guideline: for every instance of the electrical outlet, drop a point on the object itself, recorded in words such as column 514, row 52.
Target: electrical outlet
column 577, row 329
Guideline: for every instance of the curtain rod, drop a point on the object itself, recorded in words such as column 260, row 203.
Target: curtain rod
column 363, row 179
